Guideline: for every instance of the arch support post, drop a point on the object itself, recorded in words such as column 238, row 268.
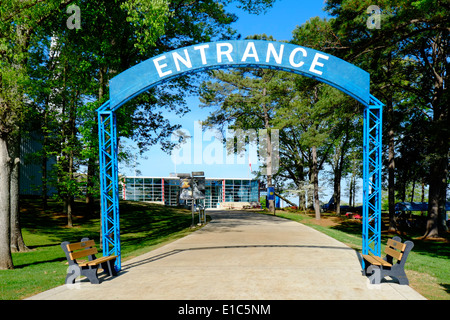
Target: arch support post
column 371, row 233
column 109, row 183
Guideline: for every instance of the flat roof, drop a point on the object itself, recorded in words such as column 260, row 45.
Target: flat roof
column 173, row 178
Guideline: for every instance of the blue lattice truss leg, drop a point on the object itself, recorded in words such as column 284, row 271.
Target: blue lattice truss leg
column 109, row 191
column 371, row 233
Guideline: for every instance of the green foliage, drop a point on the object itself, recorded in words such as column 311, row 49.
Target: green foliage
column 148, row 18
column 408, row 59
column 252, row 6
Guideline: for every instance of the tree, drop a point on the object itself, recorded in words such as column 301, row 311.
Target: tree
column 18, row 21
column 324, row 109
column 407, row 55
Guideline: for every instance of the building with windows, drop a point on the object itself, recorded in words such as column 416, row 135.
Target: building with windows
column 219, row 193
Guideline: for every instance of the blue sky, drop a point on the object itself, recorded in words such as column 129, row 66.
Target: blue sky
column 279, row 21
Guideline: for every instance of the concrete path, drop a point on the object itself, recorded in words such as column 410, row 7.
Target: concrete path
column 241, row 256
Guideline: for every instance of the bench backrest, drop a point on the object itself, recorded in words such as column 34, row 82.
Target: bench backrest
column 395, row 249
column 85, row 248
column 81, row 249
column 392, row 247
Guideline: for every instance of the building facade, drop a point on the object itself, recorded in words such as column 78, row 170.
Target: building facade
column 218, row 193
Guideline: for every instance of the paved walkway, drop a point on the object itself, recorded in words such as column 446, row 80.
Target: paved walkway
column 241, row 256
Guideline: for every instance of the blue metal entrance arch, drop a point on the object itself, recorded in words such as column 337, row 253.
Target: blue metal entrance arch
column 232, row 54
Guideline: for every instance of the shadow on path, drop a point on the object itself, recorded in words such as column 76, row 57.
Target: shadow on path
column 176, row 251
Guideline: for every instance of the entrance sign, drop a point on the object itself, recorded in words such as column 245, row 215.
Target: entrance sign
column 282, row 56
column 234, row 54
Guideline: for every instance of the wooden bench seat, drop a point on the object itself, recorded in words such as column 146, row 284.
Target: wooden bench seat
column 378, row 268
column 86, row 248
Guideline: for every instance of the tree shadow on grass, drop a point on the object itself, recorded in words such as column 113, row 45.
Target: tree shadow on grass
column 24, row 265
column 141, row 225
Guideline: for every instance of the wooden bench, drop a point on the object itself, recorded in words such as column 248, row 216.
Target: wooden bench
column 378, row 268
column 86, row 248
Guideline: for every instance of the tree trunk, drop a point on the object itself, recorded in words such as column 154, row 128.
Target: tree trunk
column 269, row 152
column 440, row 137
column 309, row 194
column 350, row 196
column 337, row 191
column 302, row 201
column 315, row 178
column 70, row 197
column 422, row 198
column 17, row 242
column 269, row 169
column 436, row 199
column 5, row 204
column 391, row 169
column 338, row 171
column 68, row 209
column 354, row 191
column 337, row 182
column 413, row 190
column 44, row 161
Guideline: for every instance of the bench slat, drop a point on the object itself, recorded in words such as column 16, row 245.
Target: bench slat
column 396, row 245
column 80, row 245
column 83, row 253
column 393, row 253
column 97, row 261
column 377, row 261
column 101, row 260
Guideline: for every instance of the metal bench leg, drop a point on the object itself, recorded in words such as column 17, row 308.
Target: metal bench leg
column 400, row 275
column 108, row 267
column 91, row 274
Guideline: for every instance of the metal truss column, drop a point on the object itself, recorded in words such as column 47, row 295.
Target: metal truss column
column 371, row 233
column 109, row 183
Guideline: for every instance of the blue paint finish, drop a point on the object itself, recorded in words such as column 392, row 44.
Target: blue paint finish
column 372, row 165
column 241, row 53
column 109, row 185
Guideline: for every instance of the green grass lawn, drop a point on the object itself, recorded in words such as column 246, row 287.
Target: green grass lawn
column 428, row 264
column 143, row 228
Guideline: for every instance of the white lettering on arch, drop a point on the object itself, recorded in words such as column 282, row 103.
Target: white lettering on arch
column 253, row 54
column 278, row 56
column 227, row 52
column 292, row 56
column 317, row 63
column 202, row 52
column 178, row 58
column 159, row 66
